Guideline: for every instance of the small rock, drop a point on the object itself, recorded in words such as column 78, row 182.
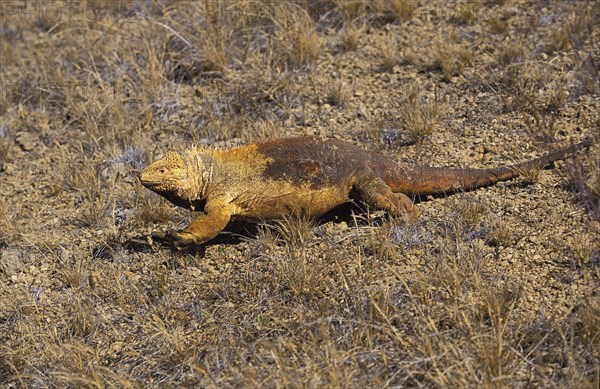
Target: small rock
column 117, row 347
column 66, row 255
column 11, row 261
column 362, row 111
column 437, row 138
column 9, row 168
column 27, row 140
column 530, row 298
column 26, row 279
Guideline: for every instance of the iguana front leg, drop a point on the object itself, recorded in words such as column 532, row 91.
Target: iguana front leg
column 205, row 227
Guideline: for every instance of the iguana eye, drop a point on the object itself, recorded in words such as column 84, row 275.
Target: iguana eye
column 162, row 171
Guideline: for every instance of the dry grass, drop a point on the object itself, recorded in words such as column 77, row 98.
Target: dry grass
column 483, row 290
column 467, row 12
column 5, row 145
column 8, row 229
column 390, row 56
column 584, row 176
column 412, row 119
column 501, row 234
column 296, row 39
column 420, row 115
column 337, row 93
column 376, row 10
column 451, row 59
column 350, row 36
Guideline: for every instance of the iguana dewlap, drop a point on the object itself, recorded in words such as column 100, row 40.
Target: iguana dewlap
column 303, row 176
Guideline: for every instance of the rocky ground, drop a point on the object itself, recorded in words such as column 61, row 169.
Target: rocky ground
column 492, row 288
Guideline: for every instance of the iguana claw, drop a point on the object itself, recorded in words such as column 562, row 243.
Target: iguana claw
column 178, row 239
column 181, row 238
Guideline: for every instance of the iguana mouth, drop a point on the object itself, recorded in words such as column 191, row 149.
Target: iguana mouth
column 146, row 178
column 148, row 183
column 155, row 186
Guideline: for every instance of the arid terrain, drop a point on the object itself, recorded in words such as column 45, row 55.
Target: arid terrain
column 493, row 288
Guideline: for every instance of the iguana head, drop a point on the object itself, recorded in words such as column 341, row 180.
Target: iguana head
column 180, row 178
column 168, row 176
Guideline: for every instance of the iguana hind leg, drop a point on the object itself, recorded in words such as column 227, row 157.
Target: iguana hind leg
column 377, row 194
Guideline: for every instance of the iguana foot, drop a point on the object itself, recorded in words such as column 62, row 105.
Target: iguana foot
column 182, row 238
column 173, row 238
column 377, row 194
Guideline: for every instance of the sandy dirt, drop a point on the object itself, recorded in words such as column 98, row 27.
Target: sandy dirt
column 492, row 288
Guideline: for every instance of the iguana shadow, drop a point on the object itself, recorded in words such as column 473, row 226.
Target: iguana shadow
column 239, row 231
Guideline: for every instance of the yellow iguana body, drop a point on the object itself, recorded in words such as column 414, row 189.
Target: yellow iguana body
column 305, row 175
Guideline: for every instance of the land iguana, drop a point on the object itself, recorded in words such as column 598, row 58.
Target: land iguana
column 304, row 175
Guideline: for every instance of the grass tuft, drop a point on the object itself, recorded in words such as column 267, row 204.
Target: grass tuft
column 5, row 145
column 337, row 93
column 350, row 36
column 390, row 56
column 296, row 41
column 419, row 116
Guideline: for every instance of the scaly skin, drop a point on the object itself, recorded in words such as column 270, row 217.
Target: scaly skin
column 303, row 176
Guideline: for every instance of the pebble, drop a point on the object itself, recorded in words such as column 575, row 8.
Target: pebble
column 33, row 270
column 11, row 261
column 362, row 111
column 530, row 298
column 27, row 140
column 9, row 168
column 116, row 347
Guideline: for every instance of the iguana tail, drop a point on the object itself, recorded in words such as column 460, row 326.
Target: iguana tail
column 424, row 180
